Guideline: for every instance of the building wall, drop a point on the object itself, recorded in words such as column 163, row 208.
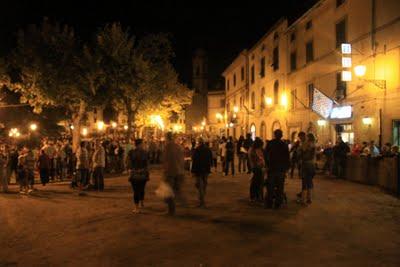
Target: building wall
column 379, row 52
column 216, row 105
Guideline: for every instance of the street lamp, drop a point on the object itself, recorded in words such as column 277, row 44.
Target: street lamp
column 236, row 109
column 126, row 127
column 84, row 131
column 284, row 100
column 321, row 122
column 114, row 124
column 360, row 71
column 33, row 127
column 367, row 121
column 268, row 101
column 100, row 125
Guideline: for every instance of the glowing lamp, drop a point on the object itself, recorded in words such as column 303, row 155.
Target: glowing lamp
column 367, row 121
column 219, row 116
column 100, row 125
column 125, row 127
column 114, row 124
column 346, row 49
column 33, row 127
column 360, row 70
column 203, row 123
column 284, row 100
column 84, row 131
column 321, row 122
column 236, row 109
column 231, row 124
column 268, row 101
column 71, row 127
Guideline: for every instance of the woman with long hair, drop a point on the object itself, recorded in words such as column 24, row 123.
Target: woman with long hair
column 257, row 163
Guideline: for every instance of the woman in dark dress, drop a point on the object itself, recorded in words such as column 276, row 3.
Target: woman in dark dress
column 138, row 173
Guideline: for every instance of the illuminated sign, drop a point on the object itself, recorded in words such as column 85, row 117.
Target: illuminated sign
column 344, row 112
column 346, row 76
column 321, row 104
column 346, row 49
column 346, row 62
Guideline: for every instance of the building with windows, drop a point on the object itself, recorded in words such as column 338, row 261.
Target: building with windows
column 293, row 59
column 216, row 112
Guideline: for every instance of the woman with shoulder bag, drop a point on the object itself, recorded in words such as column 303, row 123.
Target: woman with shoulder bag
column 138, row 173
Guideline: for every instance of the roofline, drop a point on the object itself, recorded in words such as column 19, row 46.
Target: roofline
column 234, row 62
column 270, row 30
column 311, row 9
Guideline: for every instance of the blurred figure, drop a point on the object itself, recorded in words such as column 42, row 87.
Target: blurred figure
column 248, row 143
column 328, row 154
column 374, row 150
column 82, row 165
column 307, row 157
column 138, row 159
column 30, row 163
column 257, row 164
column 12, row 164
column 278, row 163
column 173, row 164
column 22, row 175
column 340, row 151
column 242, row 154
column 222, row 153
column 201, row 168
column 294, row 160
column 387, row 150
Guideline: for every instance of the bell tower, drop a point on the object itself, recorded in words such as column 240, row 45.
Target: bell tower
column 200, row 72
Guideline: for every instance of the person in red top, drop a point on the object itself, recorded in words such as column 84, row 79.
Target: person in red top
column 257, row 164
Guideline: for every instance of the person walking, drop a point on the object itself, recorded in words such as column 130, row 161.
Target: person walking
column 230, row 156
column 99, row 163
column 173, row 166
column 201, row 168
column 257, row 164
column 340, row 152
column 278, row 163
column 43, row 164
column 307, row 158
column 242, row 154
column 138, row 161
column 3, row 169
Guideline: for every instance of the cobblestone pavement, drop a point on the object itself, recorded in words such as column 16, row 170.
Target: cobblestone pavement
column 348, row 224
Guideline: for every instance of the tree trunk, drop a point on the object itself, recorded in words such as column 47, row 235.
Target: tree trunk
column 76, row 120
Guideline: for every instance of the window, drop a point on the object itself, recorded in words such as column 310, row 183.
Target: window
column 222, row 103
column 292, row 37
column 234, row 80
column 262, row 47
column 293, row 57
column 242, row 73
column 276, row 36
column 309, row 25
column 227, row 85
column 340, row 2
column 293, row 96
column 341, row 33
column 252, row 74
column 309, row 51
column 262, row 67
column 310, row 89
column 341, row 86
column 241, row 102
column 262, row 97
column 253, row 101
column 276, row 92
column 275, row 58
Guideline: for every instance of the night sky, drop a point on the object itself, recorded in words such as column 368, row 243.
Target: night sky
column 222, row 28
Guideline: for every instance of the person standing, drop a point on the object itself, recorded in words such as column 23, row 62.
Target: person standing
column 173, row 165
column 12, row 164
column 99, row 163
column 3, row 169
column 138, row 160
column 230, row 156
column 82, row 165
column 340, row 152
column 278, row 163
column 201, row 168
column 248, row 143
column 22, row 175
column 242, row 154
column 43, row 165
column 222, row 153
column 30, row 169
column 294, row 161
column 257, row 164
column 307, row 157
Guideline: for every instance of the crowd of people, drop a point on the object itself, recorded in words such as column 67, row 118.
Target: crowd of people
column 269, row 163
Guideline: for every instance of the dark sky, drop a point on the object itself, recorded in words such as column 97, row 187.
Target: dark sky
column 222, row 28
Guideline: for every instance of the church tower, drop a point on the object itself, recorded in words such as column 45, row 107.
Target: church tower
column 197, row 111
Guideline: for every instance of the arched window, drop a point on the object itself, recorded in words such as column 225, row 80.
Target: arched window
column 276, row 92
column 263, row 97
column 253, row 101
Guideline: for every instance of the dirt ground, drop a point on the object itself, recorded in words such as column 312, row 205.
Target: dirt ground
column 348, row 224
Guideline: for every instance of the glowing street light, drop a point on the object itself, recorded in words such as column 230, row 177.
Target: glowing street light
column 203, row 123
column 33, row 127
column 360, row 70
column 100, row 125
column 231, row 124
column 236, row 109
column 367, row 121
column 72, row 127
column 268, row 101
column 284, row 100
column 219, row 116
column 114, row 124
column 321, row 122
column 346, row 76
column 84, row 131
column 14, row 133
column 126, row 127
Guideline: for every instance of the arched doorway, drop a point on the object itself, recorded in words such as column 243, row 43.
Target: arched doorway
column 263, row 131
column 253, row 131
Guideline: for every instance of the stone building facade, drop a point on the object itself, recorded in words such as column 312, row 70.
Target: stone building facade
column 271, row 85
